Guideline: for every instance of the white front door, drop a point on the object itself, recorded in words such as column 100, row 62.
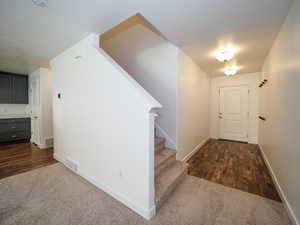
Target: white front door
column 35, row 109
column 233, row 113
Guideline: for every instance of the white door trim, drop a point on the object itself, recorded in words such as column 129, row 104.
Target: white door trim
column 35, row 109
column 248, row 107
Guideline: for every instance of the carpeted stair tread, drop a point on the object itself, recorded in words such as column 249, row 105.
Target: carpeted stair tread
column 162, row 156
column 159, row 140
column 163, row 159
column 167, row 181
column 159, row 143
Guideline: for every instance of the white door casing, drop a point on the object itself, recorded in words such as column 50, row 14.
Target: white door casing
column 35, row 109
column 234, row 113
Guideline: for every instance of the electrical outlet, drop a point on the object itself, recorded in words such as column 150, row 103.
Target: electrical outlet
column 120, row 173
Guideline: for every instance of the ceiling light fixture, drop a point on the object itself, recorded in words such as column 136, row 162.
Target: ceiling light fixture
column 40, row 3
column 231, row 70
column 225, row 54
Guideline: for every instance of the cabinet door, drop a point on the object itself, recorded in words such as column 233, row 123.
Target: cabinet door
column 20, row 89
column 5, row 88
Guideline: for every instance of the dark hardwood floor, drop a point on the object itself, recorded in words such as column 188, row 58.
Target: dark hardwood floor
column 19, row 158
column 233, row 164
column 236, row 165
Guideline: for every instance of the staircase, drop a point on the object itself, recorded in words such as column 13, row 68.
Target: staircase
column 168, row 172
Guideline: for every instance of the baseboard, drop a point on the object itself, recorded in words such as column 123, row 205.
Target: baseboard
column 286, row 204
column 147, row 214
column 59, row 158
column 169, row 142
column 252, row 140
column 188, row 156
column 42, row 146
column 37, row 144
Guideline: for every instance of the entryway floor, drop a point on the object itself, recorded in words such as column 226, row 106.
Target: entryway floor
column 236, row 165
column 23, row 157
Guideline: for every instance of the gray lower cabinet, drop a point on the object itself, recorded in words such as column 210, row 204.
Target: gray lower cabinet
column 15, row 129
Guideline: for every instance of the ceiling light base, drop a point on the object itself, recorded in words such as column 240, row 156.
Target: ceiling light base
column 40, row 3
column 230, row 71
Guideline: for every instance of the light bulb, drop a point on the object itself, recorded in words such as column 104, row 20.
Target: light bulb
column 229, row 71
column 225, row 54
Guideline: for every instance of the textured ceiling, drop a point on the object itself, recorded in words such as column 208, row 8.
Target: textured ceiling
column 30, row 36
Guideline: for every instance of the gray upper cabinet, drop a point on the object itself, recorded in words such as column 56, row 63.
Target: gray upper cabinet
column 20, row 89
column 13, row 88
column 5, row 89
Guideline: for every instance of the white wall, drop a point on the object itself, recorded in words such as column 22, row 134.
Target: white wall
column 103, row 123
column 46, row 88
column 152, row 62
column 252, row 80
column 192, row 107
column 280, row 104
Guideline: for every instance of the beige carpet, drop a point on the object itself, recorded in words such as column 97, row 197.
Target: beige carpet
column 54, row 195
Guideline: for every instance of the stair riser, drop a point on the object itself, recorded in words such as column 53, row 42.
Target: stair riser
column 166, row 164
column 170, row 189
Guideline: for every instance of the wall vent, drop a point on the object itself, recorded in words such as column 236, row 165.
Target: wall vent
column 49, row 142
column 71, row 164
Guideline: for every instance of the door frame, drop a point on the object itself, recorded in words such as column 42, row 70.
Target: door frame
column 219, row 102
column 35, row 138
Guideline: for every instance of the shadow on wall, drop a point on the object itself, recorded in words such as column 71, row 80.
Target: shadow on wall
column 152, row 61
